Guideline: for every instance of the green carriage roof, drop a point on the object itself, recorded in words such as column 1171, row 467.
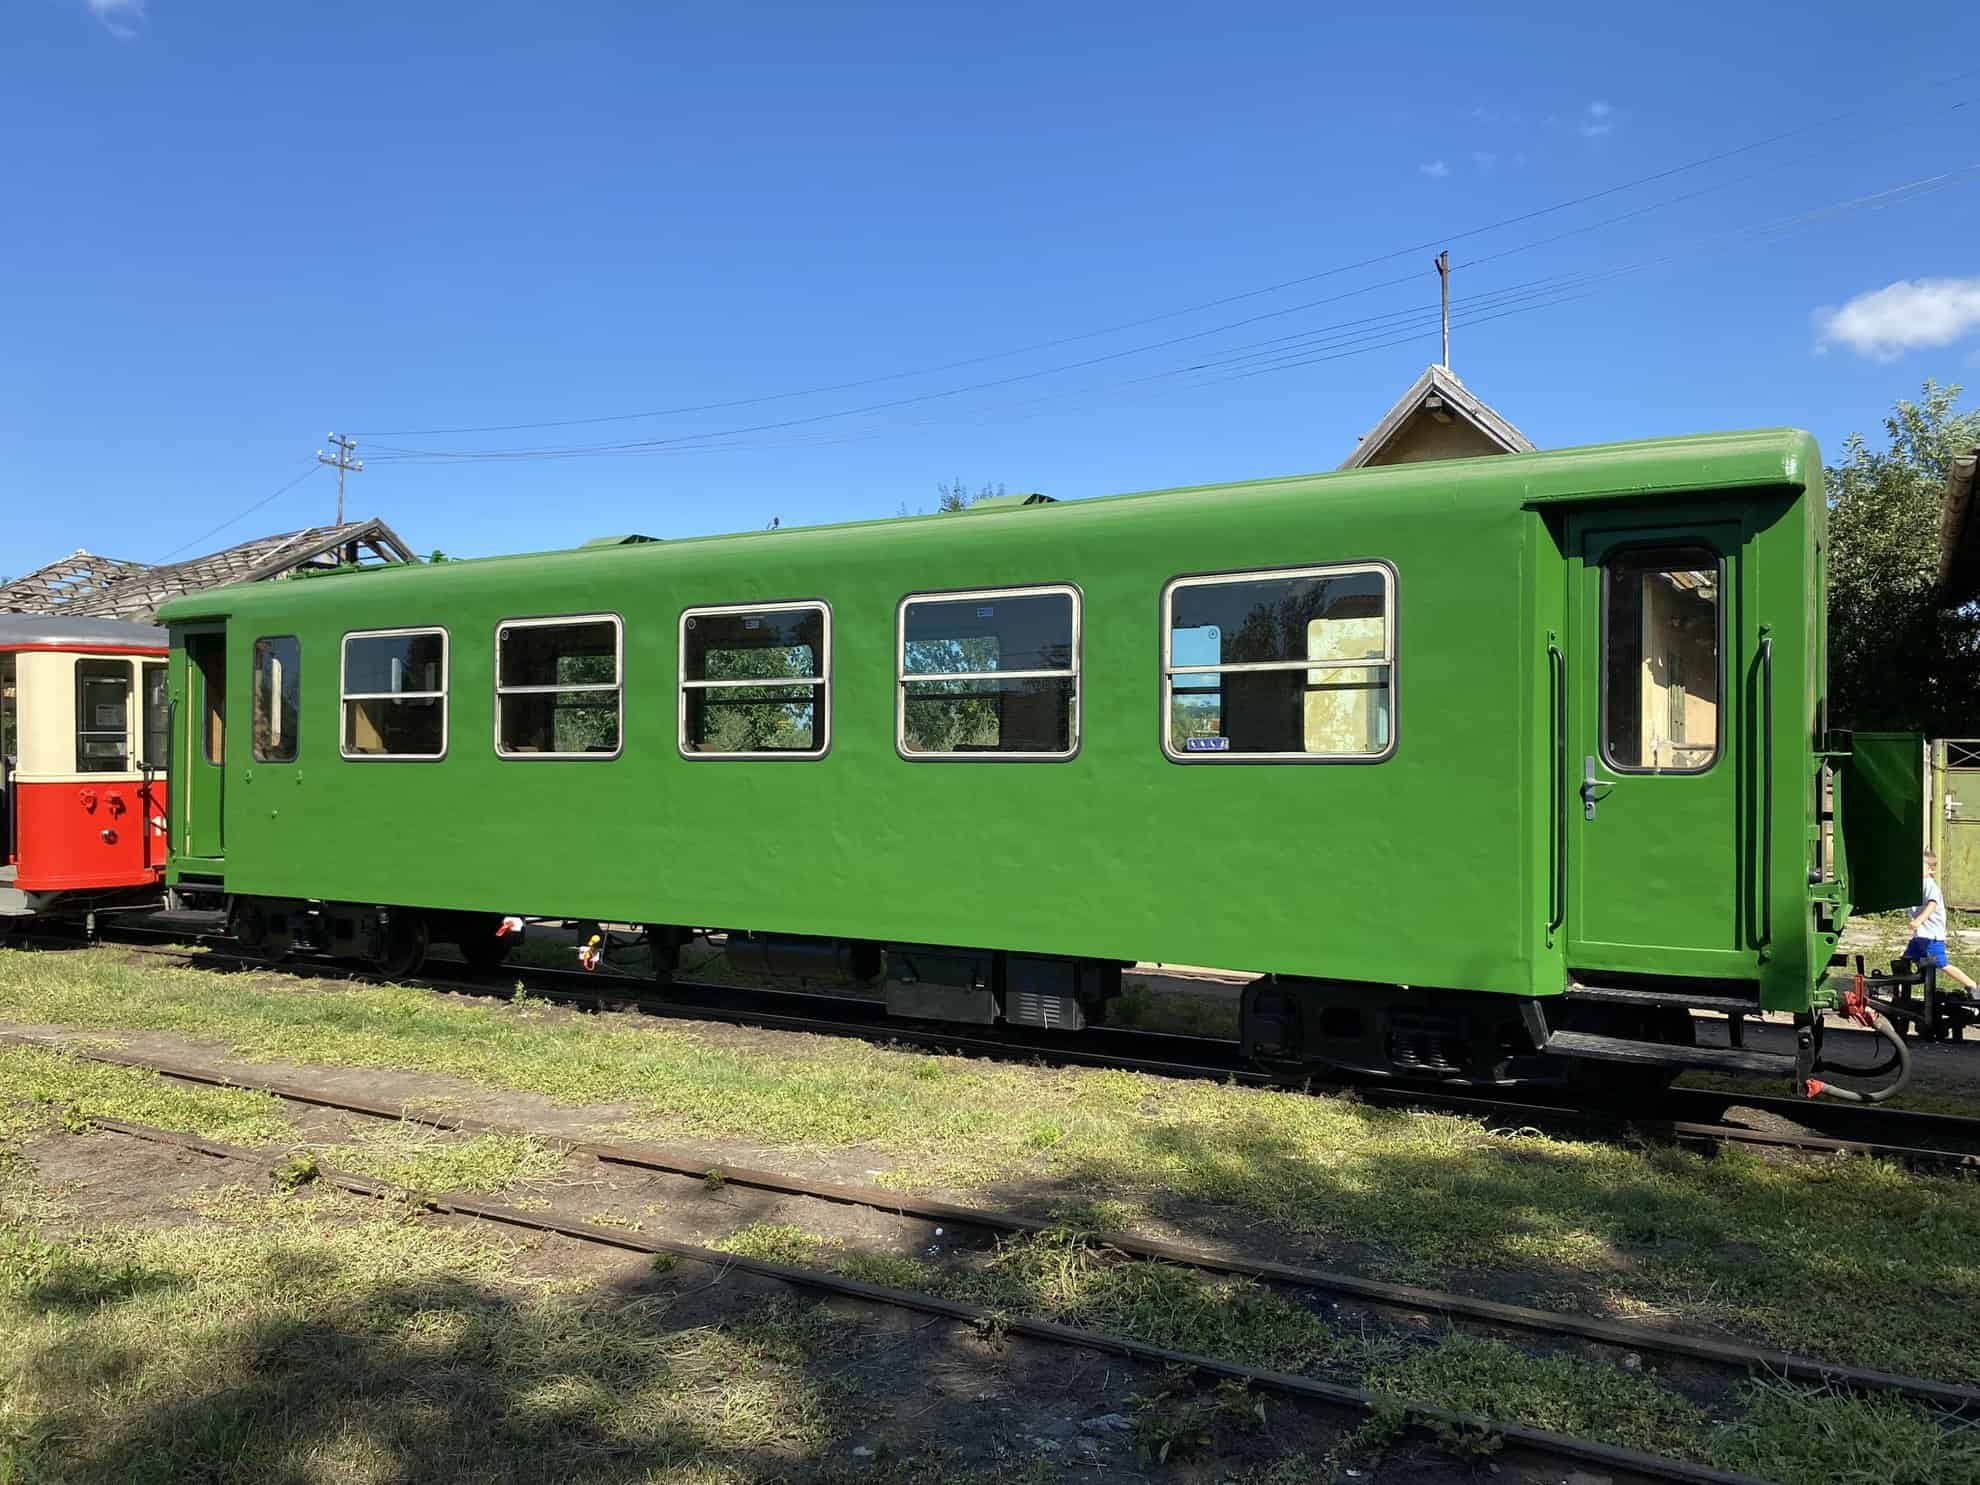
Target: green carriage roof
column 1647, row 469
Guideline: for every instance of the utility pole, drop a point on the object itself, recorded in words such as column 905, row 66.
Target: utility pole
column 344, row 462
column 1444, row 283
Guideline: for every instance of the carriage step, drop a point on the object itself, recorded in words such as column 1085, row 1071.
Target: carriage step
column 187, row 920
column 1663, row 1054
column 1732, row 1005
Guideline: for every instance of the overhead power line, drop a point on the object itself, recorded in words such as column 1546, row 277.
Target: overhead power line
column 1438, row 241
column 242, row 515
column 1284, row 352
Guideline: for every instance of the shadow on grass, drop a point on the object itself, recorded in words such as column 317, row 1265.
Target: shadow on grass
column 286, row 1364
column 434, row 1378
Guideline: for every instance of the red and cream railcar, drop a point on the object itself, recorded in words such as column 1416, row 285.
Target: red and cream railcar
column 84, row 723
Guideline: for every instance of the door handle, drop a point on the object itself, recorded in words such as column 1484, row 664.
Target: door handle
column 1592, row 788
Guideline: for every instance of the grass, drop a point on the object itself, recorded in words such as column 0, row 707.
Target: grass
column 421, row 1159
column 41, row 1091
column 1778, row 1432
column 1853, row 1259
column 44, row 1090
column 1560, row 1393
column 304, row 1337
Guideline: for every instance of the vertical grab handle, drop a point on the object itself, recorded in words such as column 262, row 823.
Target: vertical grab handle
column 1765, row 928
column 1557, row 844
column 173, row 799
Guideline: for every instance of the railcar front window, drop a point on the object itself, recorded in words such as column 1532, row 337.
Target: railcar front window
column 395, row 694
column 103, row 716
column 992, row 674
column 754, row 681
column 1660, row 677
column 557, row 688
column 277, row 697
column 1296, row 664
column 157, row 718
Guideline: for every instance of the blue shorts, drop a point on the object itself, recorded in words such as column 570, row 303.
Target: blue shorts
column 1926, row 951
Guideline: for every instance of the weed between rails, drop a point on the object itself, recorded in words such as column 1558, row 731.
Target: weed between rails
column 1851, row 1259
column 1782, row 1432
column 45, row 1090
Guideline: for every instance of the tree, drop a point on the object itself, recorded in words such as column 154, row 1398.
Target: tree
column 1900, row 657
column 955, row 496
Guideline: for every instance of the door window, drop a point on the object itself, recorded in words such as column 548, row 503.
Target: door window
column 277, row 693
column 1661, row 637
column 157, row 718
column 103, row 716
column 209, row 655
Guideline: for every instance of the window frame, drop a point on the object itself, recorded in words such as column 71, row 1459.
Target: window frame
column 617, row 688
column 346, row 697
column 1391, row 612
column 255, row 754
column 133, row 732
column 823, row 680
column 958, row 595
column 1719, row 656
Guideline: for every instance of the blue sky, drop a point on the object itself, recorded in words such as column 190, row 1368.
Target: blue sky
column 233, row 226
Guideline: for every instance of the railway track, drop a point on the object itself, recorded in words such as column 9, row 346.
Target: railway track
column 1451, row 1306
column 1688, row 1116
column 1300, row 1389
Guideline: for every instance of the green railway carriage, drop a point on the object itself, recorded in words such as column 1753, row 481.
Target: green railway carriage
column 1473, row 760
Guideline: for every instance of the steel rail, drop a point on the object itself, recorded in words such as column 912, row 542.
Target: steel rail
column 1329, row 1394
column 642, row 1156
column 653, row 999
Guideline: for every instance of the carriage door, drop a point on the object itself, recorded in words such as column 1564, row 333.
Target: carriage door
column 1652, row 802
column 202, row 733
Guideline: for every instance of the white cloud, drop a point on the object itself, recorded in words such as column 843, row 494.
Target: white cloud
column 1597, row 119
column 1435, row 169
column 121, row 18
column 1905, row 316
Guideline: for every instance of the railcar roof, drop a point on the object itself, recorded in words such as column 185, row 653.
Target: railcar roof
column 1709, row 463
column 23, row 631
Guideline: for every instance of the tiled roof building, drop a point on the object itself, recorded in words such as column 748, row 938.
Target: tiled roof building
column 83, row 584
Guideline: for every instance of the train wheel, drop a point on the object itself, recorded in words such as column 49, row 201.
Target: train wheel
column 480, row 946
column 405, row 945
column 663, row 948
column 247, row 926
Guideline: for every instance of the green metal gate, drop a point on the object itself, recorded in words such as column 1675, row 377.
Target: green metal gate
column 1955, row 808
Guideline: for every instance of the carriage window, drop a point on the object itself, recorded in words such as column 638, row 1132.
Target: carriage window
column 1297, row 664
column 157, row 718
column 990, row 674
column 1660, row 662
column 277, row 697
column 557, row 688
column 9, row 728
column 395, row 694
column 754, row 681
column 103, row 716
